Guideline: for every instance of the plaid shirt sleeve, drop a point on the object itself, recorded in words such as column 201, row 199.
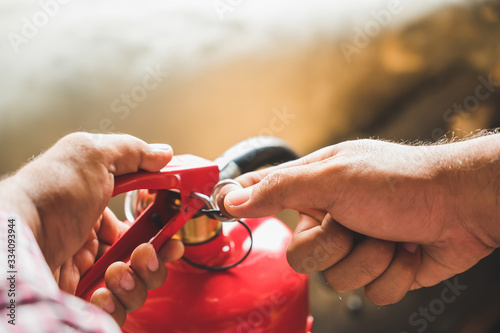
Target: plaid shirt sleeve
column 30, row 298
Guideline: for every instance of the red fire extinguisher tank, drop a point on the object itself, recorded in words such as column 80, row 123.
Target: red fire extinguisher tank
column 262, row 294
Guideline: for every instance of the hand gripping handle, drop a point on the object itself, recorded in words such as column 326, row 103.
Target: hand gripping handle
column 185, row 173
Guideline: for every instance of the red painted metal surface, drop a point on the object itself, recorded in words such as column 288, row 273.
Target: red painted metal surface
column 262, row 294
column 185, row 173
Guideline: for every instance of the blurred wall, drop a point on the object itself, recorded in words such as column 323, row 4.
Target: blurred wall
column 202, row 78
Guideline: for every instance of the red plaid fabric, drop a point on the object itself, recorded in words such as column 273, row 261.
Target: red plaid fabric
column 30, row 299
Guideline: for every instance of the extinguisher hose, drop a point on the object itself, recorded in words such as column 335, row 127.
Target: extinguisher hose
column 253, row 153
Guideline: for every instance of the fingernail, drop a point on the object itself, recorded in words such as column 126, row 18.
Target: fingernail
column 153, row 263
column 410, row 247
column 238, row 197
column 160, row 147
column 109, row 305
column 127, row 282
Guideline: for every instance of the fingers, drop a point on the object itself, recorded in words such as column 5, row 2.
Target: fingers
column 256, row 200
column 367, row 261
column 298, row 187
column 288, row 185
column 254, row 177
column 222, row 195
column 127, row 286
column 130, row 284
column 386, row 271
column 120, row 153
column 316, row 247
column 68, row 276
column 148, row 267
column 109, row 230
column 105, row 299
column 395, row 282
column 129, row 154
column 171, row 251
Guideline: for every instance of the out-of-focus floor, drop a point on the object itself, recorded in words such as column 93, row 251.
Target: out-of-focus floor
column 476, row 309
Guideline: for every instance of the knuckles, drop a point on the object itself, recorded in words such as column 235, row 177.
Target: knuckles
column 82, row 146
column 79, row 139
column 306, row 258
column 293, row 261
column 273, row 183
column 382, row 297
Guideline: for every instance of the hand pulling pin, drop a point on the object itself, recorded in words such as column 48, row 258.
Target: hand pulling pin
column 213, row 210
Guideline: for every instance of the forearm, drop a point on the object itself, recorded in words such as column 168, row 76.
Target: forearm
column 13, row 198
column 472, row 169
column 30, row 291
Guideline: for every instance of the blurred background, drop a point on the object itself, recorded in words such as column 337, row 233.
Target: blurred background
column 203, row 75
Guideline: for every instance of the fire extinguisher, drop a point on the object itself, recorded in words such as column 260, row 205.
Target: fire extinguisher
column 234, row 277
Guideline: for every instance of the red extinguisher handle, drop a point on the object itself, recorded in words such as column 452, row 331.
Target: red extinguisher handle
column 157, row 223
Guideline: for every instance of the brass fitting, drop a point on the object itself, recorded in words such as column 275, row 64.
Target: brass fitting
column 198, row 229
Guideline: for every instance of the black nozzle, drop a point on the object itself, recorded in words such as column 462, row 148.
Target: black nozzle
column 253, row 153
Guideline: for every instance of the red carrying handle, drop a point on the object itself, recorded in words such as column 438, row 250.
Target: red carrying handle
column 185, row 173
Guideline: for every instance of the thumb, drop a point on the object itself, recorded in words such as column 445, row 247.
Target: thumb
column 126, row 154
column 300, row 188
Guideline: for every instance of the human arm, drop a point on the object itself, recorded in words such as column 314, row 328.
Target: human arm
column 62, row 196
column 441, row 197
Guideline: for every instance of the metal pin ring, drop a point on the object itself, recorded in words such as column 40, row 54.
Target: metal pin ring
column 213, row 198
column 203, row 197
column 218, row 187
column 211, row 202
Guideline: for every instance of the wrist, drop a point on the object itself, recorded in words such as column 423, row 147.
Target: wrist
column 472, row 172
column 15, row 199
